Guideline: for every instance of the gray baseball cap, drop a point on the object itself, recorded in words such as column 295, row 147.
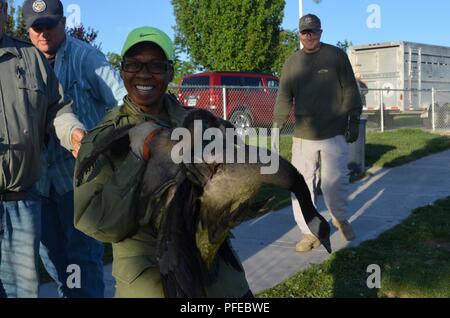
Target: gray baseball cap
column 310, row 22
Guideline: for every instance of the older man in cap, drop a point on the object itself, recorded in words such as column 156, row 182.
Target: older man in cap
column 31, row 106
column 95, row 87
column 319, row 81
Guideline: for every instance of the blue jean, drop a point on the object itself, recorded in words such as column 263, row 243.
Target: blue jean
column 19, row 256
column 62, row 245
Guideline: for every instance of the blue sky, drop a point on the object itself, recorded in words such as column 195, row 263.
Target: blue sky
column 409, row 20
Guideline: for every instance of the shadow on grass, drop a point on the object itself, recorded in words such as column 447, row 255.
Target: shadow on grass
column 375, row 152
column 395, row 148
column 434, row 145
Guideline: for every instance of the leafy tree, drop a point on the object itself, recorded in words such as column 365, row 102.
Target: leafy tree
column 232, row 35
column 289, row 43
column 183, row 68
column 344, row 45
column 114, row 59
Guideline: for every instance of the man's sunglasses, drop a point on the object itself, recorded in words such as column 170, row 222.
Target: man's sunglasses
column 153, row 67
column 45, row 27
column 310, row 32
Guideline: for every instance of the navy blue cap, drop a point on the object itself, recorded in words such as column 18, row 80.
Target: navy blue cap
column 42, row 12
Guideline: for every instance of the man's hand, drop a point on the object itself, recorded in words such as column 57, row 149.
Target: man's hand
column 275, row 140
column 352, row 130
column 77, row 136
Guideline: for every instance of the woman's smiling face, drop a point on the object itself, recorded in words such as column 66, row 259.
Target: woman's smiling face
column 146, row 73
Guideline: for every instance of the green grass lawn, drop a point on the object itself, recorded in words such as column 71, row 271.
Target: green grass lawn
column 395, row 148
column 387, row 149
column 414, row 258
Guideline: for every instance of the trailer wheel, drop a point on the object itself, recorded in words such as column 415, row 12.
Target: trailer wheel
column 428, row 122
column 242, row 120
column 388, row 119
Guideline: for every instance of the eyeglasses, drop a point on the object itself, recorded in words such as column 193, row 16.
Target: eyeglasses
column 153, row 67
column 310, row 33
column 39, row 28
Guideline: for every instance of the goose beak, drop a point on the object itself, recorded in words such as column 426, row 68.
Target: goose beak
column 327, row 244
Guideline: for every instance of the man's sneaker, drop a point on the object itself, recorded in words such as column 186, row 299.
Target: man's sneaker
column 345, row 228
column 307, row 243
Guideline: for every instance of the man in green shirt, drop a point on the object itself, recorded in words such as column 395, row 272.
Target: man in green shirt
column 318, row 81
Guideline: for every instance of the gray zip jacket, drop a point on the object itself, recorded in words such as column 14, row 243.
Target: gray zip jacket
column 32, row 103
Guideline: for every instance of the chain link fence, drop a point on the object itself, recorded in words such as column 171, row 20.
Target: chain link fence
column 244, row 107
column 440, row 111
column 394, row 108
column 384, row 109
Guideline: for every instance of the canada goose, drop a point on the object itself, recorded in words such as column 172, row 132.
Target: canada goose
column 203, row 201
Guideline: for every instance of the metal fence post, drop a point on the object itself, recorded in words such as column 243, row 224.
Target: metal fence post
column 433, row 109
column 382, row 111
column 224, row 97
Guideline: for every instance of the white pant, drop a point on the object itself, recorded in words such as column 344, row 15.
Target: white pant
column 331, row 155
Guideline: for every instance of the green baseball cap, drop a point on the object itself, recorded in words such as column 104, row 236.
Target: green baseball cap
column 150, row 34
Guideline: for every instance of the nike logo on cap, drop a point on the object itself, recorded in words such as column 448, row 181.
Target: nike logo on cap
column 144, row 35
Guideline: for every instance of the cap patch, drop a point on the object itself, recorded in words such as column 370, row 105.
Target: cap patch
column 39, row 6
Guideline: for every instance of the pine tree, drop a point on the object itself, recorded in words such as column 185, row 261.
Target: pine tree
column 21, row 30
column 10, row 24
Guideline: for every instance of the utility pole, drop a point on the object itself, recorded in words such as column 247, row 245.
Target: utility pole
column 300, row 14
column 300, row 8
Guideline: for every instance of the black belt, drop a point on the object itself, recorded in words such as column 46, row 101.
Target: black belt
column 13, row 196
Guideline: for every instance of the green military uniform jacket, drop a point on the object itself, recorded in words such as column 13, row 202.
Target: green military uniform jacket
column 30, row 100
column 106, row 201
